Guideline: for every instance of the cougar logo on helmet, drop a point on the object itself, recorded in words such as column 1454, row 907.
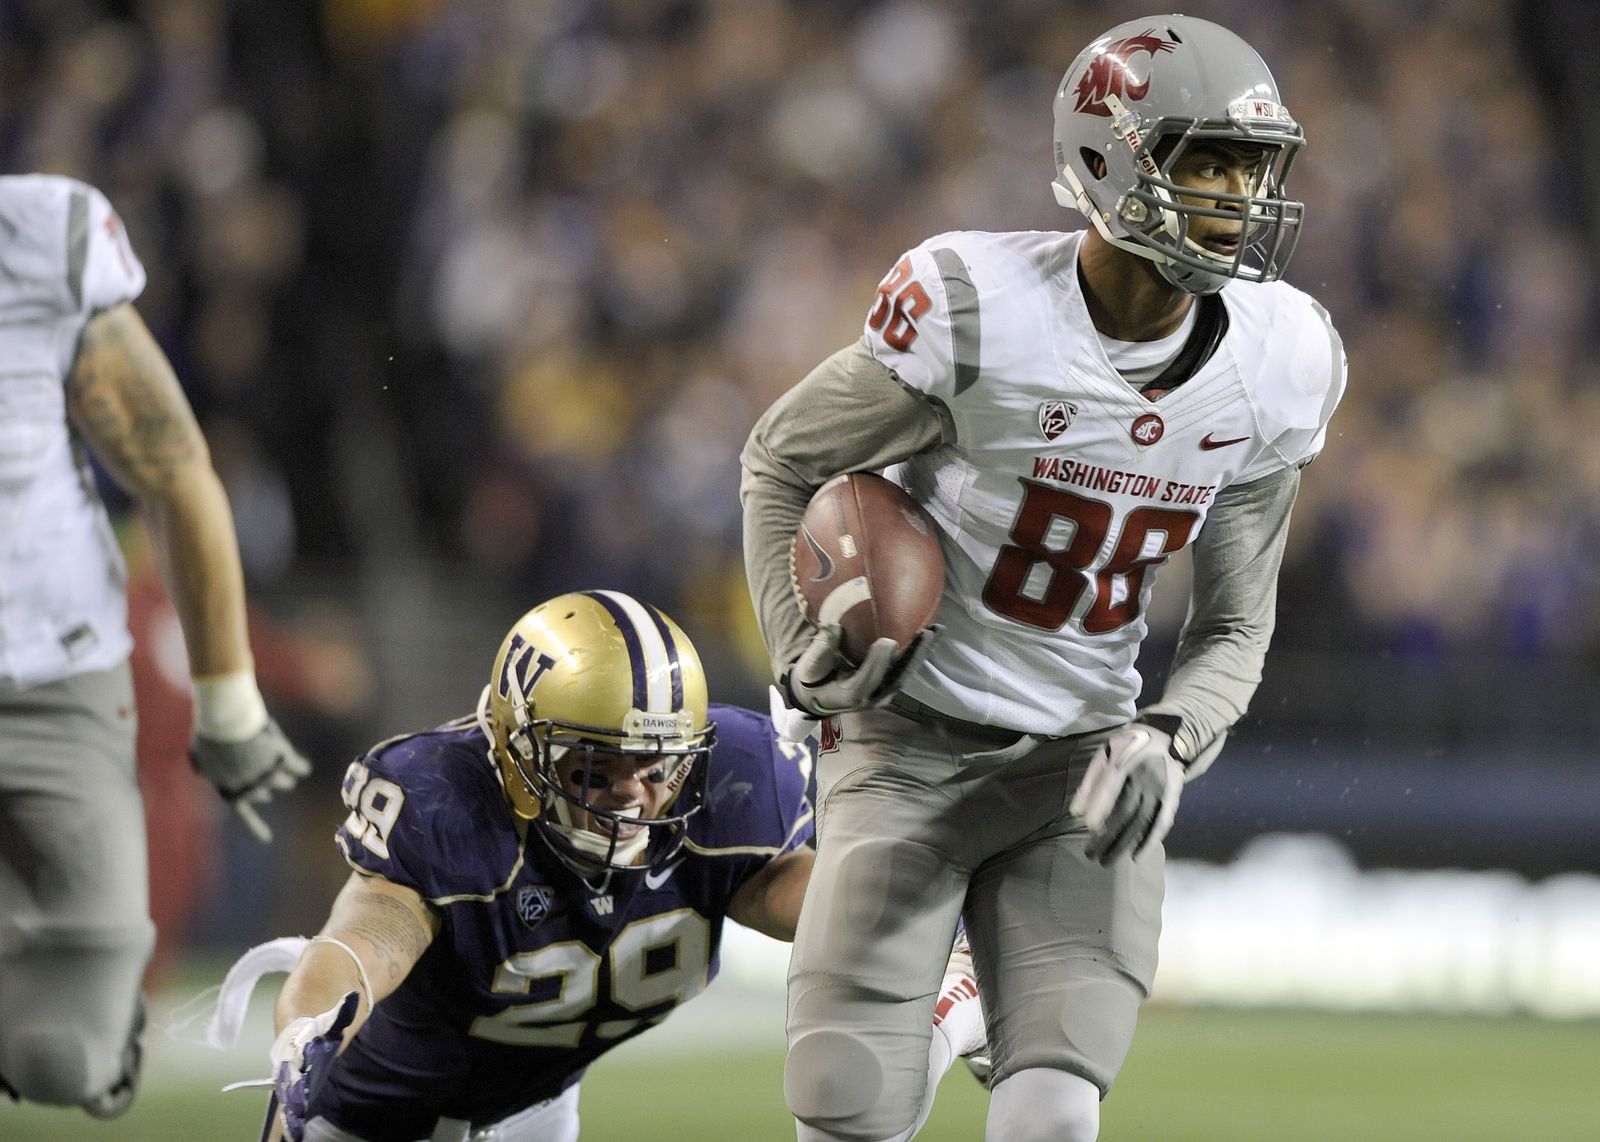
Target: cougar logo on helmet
column 1109, row 73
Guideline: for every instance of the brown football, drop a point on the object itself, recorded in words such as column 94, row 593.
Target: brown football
column 866, row 556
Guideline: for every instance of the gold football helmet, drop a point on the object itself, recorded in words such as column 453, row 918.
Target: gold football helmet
column 585, row 677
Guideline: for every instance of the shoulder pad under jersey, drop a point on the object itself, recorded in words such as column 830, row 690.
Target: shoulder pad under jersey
column 63, row 248
column 426, row 811
column 953, row 304
column 1293, row 363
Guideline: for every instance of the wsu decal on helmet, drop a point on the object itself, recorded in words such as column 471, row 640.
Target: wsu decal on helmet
column 1110, row 72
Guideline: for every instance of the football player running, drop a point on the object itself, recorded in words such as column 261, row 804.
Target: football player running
column 537, row 883
column 82, row 368
column 1072, row 409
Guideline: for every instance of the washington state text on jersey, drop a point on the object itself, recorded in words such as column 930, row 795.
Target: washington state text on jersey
column 1064, row 470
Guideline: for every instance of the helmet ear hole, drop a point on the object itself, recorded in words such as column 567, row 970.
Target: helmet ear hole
column 1094, row 160
column 520, row 739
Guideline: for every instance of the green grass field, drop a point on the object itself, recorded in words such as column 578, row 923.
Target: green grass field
column 1195, row 1075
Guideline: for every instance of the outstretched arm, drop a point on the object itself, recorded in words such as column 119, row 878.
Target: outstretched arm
column 375, row 934
column 386, row 926
column 125, row 400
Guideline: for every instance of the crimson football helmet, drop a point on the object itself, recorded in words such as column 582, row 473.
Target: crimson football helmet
column 1129, row 107
column 587, row 676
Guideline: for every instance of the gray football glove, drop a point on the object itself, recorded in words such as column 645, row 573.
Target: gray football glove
column 249, row 772
column 823, row 683
column 1129, row 796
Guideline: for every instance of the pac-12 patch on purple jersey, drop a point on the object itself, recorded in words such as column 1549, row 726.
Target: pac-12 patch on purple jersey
column 533, row 903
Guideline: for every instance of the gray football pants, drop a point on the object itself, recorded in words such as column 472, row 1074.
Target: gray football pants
column 75, row 930
column 922, row 819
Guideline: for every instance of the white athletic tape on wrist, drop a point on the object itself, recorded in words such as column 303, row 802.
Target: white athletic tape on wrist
column 792, row 725
column 229, row 707
column 233, row 997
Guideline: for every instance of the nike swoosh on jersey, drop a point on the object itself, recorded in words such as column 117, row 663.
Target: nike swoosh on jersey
column 1208, row 444
column 824, row 560
column 654, row 880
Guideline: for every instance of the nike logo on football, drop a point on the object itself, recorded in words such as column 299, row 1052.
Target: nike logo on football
column 654, row 880
column 1208, row 444
column 824, row 561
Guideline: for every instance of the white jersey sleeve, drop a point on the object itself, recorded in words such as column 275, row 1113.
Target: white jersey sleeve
column 64, row 250
column 112, row 272
column 920, row 321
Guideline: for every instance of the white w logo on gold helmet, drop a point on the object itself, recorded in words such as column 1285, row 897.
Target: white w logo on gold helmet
column 602, row 672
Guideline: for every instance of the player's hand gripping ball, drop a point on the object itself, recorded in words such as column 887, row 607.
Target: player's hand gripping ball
column 868, row 573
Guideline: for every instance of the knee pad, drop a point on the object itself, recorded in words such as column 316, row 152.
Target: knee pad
column 833, row 1083
column 65, row 1017
column 1044, row 1105
column 51, row 1065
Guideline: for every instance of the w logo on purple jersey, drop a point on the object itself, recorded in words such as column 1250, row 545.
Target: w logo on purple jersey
column 518, row 674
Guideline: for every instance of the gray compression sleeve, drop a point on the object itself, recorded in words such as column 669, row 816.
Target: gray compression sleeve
column 1232, row 609
column 850, row 414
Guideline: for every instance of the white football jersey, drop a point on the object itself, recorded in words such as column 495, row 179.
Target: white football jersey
column 1065, row 489
column 63, row 258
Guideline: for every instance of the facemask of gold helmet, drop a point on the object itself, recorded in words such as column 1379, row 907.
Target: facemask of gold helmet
column 581, row 684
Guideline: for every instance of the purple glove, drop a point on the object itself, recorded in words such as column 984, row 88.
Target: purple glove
column 304, row 1054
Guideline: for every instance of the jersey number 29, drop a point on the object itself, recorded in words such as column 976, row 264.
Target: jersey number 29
column 662, row 959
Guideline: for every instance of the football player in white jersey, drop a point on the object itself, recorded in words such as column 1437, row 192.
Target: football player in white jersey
column 80, row 368
column 1072, row 409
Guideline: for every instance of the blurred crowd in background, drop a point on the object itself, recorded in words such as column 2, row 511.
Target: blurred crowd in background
column 478, row 299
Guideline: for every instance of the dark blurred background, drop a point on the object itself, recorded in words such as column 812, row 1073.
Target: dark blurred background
column 478, row 299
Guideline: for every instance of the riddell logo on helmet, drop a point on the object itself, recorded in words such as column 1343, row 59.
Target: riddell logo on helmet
column 1110, row 73
column 678, row 775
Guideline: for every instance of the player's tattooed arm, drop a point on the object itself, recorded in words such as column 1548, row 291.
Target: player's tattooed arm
column 125, row 401
column 390, row 919
column 383, row 925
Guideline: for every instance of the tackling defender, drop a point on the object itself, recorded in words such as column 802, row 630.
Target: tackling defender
column 1072, row 409
column 79, row 367
column 536, row 884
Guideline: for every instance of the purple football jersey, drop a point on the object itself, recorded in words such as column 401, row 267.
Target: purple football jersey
column 535, row 971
